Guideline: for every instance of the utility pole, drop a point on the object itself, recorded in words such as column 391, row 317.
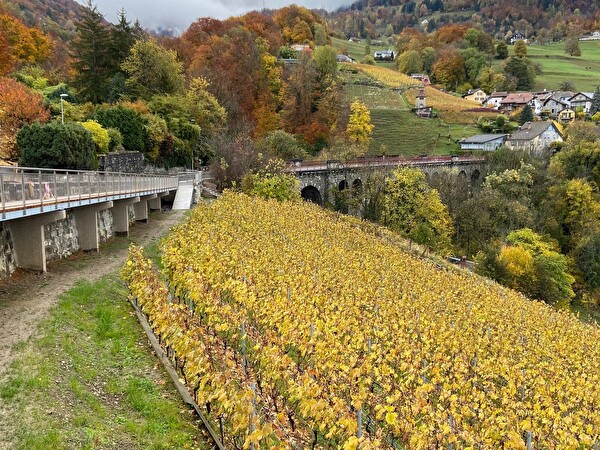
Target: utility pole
column 62, row 110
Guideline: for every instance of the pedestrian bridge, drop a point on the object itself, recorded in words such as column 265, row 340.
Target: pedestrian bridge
column 32, row 198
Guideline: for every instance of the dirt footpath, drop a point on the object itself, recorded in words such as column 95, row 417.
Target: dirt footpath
column 26, row 297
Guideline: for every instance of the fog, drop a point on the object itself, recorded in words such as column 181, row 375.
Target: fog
column 178, row 14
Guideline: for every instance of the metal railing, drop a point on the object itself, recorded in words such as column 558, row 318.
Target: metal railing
column 24, row 188
column 382, row 161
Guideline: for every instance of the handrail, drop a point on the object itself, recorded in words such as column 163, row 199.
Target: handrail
column 308, row 166
column 23, row 189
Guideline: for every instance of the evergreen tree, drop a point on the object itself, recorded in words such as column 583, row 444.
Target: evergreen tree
column 595, row 102
column 91, row 51
column 502, row 50
column 122, row 37
column 526, row 115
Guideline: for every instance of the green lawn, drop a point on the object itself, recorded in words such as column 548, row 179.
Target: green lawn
column 89, row 379
column 558, row 66
column 357, row 51
column 397, row 128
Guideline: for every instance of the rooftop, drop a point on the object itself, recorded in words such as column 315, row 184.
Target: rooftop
column 482, row 138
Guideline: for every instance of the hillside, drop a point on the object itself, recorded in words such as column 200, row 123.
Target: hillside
column 56, row 17
column 533, row 18
column 324, row 331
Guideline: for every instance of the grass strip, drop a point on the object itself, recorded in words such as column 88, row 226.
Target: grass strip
column 89, row 381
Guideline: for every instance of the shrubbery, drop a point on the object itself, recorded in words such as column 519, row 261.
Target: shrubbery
column 56, row 146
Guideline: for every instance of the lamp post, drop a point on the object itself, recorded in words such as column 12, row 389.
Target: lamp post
column 62, row 111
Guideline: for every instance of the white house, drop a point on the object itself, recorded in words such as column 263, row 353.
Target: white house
column 553, row 106
column 484, row 142
column 534, row 137
column 582, row 100
column 494, row 99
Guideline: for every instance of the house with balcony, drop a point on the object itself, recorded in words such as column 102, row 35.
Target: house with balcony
column 515, row 101
column 534, row 137
column 582, row 100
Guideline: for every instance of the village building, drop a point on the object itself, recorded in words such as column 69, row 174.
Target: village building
column 512, row 102
column 422, row 77
column 483, row 142
column 494, row 99
column 537, row 102
column 553, row 106
column 595, row 36
column 476, row 95
column 341, row 58
column 384, row 55
column 566, row 116
column 534, row 137
column 582, row 100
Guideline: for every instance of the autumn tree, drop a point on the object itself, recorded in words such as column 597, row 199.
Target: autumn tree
column 20, row 44
column 272, row 181
column 152, row 70
column 359, row 124
column 572, row 47
column 534, row 265
column 18, row 106
column 415, row 210
column 449, row 69
column 410, row 62
column 520, row 48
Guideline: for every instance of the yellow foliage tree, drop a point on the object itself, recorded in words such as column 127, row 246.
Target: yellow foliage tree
column 359, row 124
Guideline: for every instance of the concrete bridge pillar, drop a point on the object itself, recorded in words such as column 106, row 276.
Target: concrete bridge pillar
column 155, row 204
column 29, row 239
column 120, row 211
column 141, row 208
column 86, row 219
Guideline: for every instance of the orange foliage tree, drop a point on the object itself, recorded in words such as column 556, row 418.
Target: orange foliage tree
column 21, row 44
column 18, row 106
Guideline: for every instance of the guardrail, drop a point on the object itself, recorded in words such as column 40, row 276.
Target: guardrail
column 382, row 161
column 23, row 188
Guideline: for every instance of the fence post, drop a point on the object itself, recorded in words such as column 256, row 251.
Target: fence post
column 451, row 423
column 244, row 348
column 253, row 416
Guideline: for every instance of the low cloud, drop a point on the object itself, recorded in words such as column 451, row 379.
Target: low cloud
column 179, row 14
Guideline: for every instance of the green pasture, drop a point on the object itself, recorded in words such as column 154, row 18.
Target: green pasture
column 357, row 51
column 398, row 131
column 557, row 66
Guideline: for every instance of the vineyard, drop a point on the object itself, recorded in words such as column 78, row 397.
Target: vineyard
column 298, row 328
column 450, row 108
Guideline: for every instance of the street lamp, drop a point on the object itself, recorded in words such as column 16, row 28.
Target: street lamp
column 62, row 111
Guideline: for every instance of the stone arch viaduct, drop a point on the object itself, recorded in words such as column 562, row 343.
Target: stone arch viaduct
column 317, row 179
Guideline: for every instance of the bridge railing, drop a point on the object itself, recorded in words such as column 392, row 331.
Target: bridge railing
column 382, row 161
column 22, row 188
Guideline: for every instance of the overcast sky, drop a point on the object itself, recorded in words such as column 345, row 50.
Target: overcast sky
column 178, row 14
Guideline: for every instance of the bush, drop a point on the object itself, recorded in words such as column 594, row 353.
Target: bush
column 56, row 146
column 129, row 122
column 115, row 140
column 99, row 136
